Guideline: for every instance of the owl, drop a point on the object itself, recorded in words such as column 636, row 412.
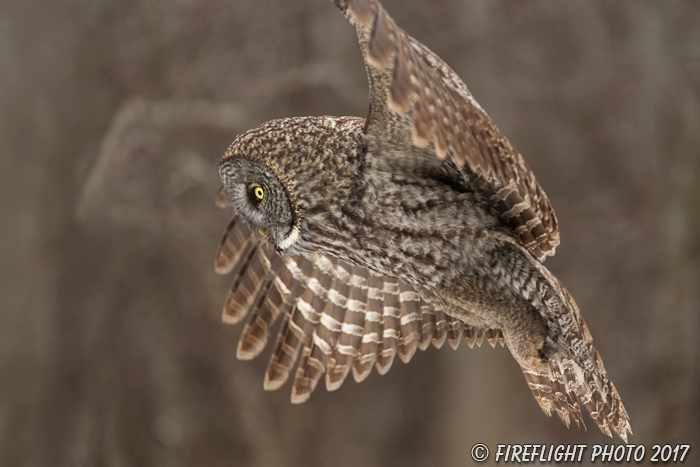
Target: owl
column 419, row 225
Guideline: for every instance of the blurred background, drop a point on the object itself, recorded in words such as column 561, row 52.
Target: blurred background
column 113, row 117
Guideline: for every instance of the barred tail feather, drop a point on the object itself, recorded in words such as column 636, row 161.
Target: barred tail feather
column 575, row 376
column 563, row 387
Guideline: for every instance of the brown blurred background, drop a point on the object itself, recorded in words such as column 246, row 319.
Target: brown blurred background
column 113, row 116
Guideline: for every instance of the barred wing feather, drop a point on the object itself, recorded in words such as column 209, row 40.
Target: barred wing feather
column 336, row 318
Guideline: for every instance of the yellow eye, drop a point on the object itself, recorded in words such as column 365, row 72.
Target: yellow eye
column 259, row 192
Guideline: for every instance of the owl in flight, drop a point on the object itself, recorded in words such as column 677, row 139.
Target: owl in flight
column 371, row 238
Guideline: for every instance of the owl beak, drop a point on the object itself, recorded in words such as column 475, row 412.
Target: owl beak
column 262, row 232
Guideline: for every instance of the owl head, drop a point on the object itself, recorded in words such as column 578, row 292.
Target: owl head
column 285, row 176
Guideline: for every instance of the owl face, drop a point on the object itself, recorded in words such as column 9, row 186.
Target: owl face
column 258, row 197
column 287, row 176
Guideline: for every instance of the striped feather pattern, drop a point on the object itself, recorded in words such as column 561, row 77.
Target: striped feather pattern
column 410, row 81
column 336, row 318
column 562, row 387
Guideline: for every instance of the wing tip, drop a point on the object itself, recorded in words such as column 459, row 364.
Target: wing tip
column 272, row 383
column 250, row 347
column 333, row 384
column 223, row 265
column 228, row 316
column 362, row 374
column 384, row 360
column 300, row 394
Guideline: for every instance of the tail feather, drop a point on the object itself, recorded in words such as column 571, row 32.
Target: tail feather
column 563, row 387
column 573, row 374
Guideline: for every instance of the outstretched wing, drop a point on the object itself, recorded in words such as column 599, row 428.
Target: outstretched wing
column 335, row 317
column 416, row 99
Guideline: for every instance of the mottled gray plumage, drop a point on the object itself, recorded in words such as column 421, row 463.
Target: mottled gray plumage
column 421, row 224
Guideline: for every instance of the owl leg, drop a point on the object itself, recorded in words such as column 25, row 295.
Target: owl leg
column 525, row 333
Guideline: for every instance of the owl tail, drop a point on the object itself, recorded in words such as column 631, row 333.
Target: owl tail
column 564, row 386
column 577, row 377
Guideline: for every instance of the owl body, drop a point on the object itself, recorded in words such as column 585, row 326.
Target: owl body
column 421, row 224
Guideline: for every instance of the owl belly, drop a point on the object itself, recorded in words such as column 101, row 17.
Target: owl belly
column 499, row 293
column 447, row 251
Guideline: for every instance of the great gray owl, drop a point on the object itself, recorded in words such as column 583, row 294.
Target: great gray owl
column 420, row 224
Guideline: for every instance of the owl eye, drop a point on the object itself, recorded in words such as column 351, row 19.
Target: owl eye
column 256, row 192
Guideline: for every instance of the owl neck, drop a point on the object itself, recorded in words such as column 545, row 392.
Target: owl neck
column 323, row 164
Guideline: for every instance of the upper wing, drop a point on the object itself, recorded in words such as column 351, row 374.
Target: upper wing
column 416, row 99
column 336, row 316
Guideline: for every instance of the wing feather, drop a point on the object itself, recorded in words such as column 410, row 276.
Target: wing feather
column 440, row 329
column 374, row 319
column 336, row 318
column 416, row 99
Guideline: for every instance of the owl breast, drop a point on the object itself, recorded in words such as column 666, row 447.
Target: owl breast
column 407, row 225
